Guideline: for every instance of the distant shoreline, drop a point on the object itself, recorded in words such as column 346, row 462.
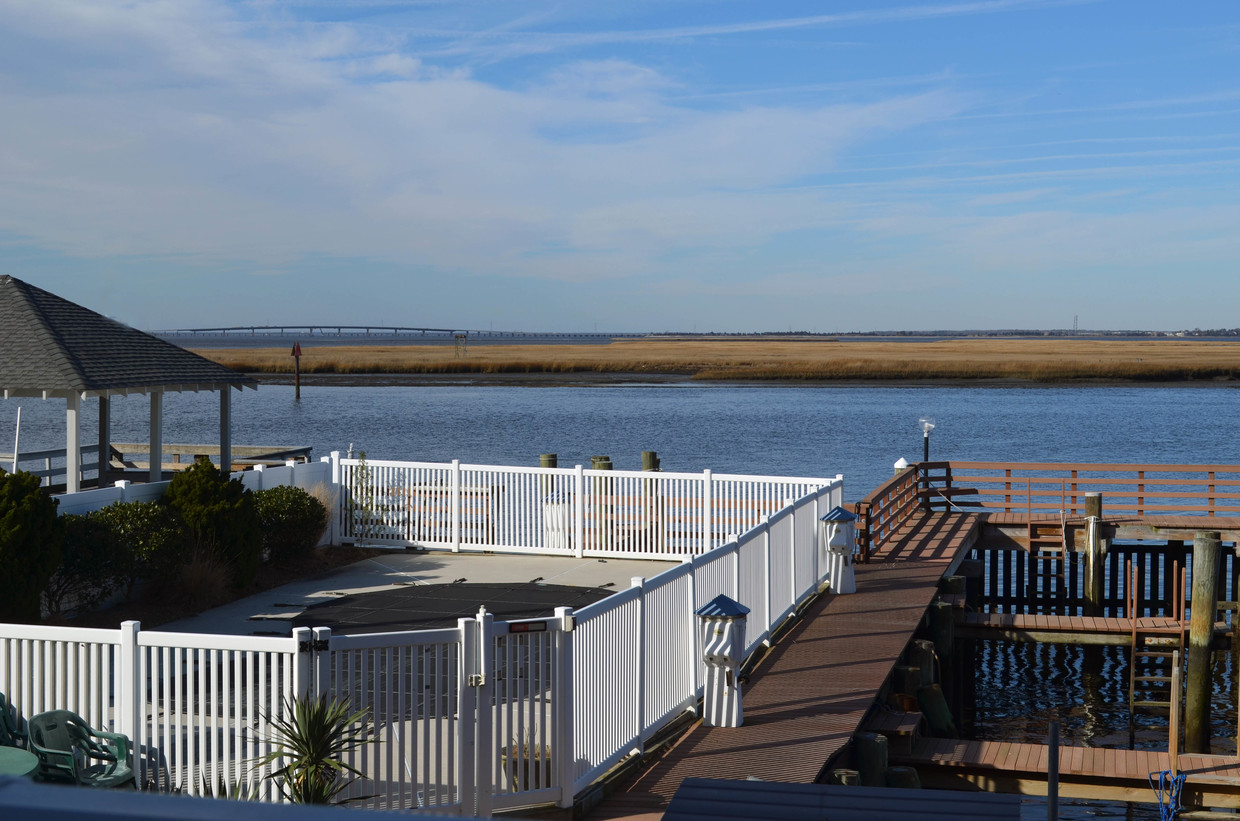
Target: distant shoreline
column 652, row 361
column 600, row 380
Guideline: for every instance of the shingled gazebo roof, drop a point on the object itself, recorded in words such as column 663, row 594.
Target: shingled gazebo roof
column 53, row 347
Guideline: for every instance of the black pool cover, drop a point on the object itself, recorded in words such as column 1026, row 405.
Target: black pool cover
column 424, row 606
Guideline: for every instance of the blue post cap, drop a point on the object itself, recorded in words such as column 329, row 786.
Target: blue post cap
column 723, row 607
column 839, row 514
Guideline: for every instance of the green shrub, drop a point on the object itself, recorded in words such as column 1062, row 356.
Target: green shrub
column 30, row 541
column 94, row 564
column 292, row 522
column 153, row 537
column 219, row 518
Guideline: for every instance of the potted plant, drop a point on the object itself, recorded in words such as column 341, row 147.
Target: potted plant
column 526, row 765
column 312, row 737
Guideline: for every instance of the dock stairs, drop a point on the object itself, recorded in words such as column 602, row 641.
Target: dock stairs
column 1157, row 645
column 1048, row 544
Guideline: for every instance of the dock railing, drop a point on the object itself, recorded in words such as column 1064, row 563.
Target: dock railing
column 1051, row 487
column 881, row 514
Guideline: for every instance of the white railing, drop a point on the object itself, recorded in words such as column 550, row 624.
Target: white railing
column 204, row 708
column 638, row 654
column 50, row 464
column 566, row 511
column 466, row 720
column 197, row 707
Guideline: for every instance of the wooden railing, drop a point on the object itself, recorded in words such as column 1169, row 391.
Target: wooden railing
column 1049, row 487
column 881, row 514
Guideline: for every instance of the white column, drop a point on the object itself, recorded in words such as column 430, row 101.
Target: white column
column 157, row 436
column 73, row 444
column 225, row 430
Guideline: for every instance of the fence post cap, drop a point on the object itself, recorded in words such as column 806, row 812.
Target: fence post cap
column 900, row 464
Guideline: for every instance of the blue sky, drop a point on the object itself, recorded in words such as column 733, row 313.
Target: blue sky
column 644, row 166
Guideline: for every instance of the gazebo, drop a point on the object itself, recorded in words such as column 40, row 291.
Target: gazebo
column 51, row 347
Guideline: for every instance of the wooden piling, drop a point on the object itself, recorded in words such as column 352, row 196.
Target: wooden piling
column 1095, row 556
column 1207, row 549
column 650, row 460
column 548, row 460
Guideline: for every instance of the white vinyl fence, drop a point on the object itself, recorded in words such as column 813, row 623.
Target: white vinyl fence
column 467, row 720
column 565, row 511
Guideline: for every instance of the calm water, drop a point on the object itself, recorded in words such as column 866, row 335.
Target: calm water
column 771, row 430
column 803, row 431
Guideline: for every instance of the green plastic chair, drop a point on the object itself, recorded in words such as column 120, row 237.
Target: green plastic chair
column 10, row 735
column 69, row 750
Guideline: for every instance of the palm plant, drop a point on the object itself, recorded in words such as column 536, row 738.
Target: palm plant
column 312, row 737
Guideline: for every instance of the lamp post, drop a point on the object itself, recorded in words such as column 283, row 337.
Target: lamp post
column 926, row 423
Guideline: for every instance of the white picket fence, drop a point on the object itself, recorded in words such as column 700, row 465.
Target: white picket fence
column 305, row 475
column 467, row 720
column 566, row 511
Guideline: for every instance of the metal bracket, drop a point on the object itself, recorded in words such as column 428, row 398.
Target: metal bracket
column 476, row 680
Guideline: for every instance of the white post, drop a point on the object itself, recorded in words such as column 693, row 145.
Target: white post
column 225, row 430
column 792, row 554
column 259, row 469
column 639, row 666
column 322, row 661
column 123, row 487
column 579, row 509
column 562, row 748
column 691, row 625
column 157, row 436
column 128, row 693
column 707, row 505
column 73, row 444
column 466, row 727
column 456, row 506
column 766, row 571
column 338, row 491
column 736, row 566
column 485, row 744
column 303, row 657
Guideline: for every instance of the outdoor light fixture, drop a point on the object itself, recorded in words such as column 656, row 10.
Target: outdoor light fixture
column 926, row 423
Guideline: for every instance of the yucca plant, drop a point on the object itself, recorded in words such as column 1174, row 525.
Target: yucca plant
column 313, row 737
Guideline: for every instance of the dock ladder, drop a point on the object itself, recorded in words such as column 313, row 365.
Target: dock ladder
column 1156, row 642
column 1047, row 542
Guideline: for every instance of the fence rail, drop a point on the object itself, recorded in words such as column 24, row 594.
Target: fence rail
column 1049, row 487
column 565, row 511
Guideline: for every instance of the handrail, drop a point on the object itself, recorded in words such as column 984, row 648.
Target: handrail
column 1051, row 487
column 885, row 509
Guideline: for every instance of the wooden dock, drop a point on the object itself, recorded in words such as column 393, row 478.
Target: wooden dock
column 810, row 694
column 1084, row 772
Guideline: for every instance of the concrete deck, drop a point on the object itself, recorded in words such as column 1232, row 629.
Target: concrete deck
column 271, row 612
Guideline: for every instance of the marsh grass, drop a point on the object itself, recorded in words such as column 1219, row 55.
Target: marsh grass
column 1161, row 360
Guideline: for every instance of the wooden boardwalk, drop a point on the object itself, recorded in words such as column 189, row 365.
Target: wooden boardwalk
column 1051, row 629
column 1084, row 772
column 808, row 697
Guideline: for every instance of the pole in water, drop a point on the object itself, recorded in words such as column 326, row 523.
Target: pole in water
column 296, row 354
column 1207, row 549
column 1052, row 773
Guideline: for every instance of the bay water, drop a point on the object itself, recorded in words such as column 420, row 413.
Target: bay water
column 780, row 430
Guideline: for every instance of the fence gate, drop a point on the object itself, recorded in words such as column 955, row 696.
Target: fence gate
column 465, row 719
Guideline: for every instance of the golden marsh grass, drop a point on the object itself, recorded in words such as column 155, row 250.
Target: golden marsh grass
column 1039, row 360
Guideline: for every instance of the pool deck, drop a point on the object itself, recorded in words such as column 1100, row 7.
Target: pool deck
column 272, row 611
